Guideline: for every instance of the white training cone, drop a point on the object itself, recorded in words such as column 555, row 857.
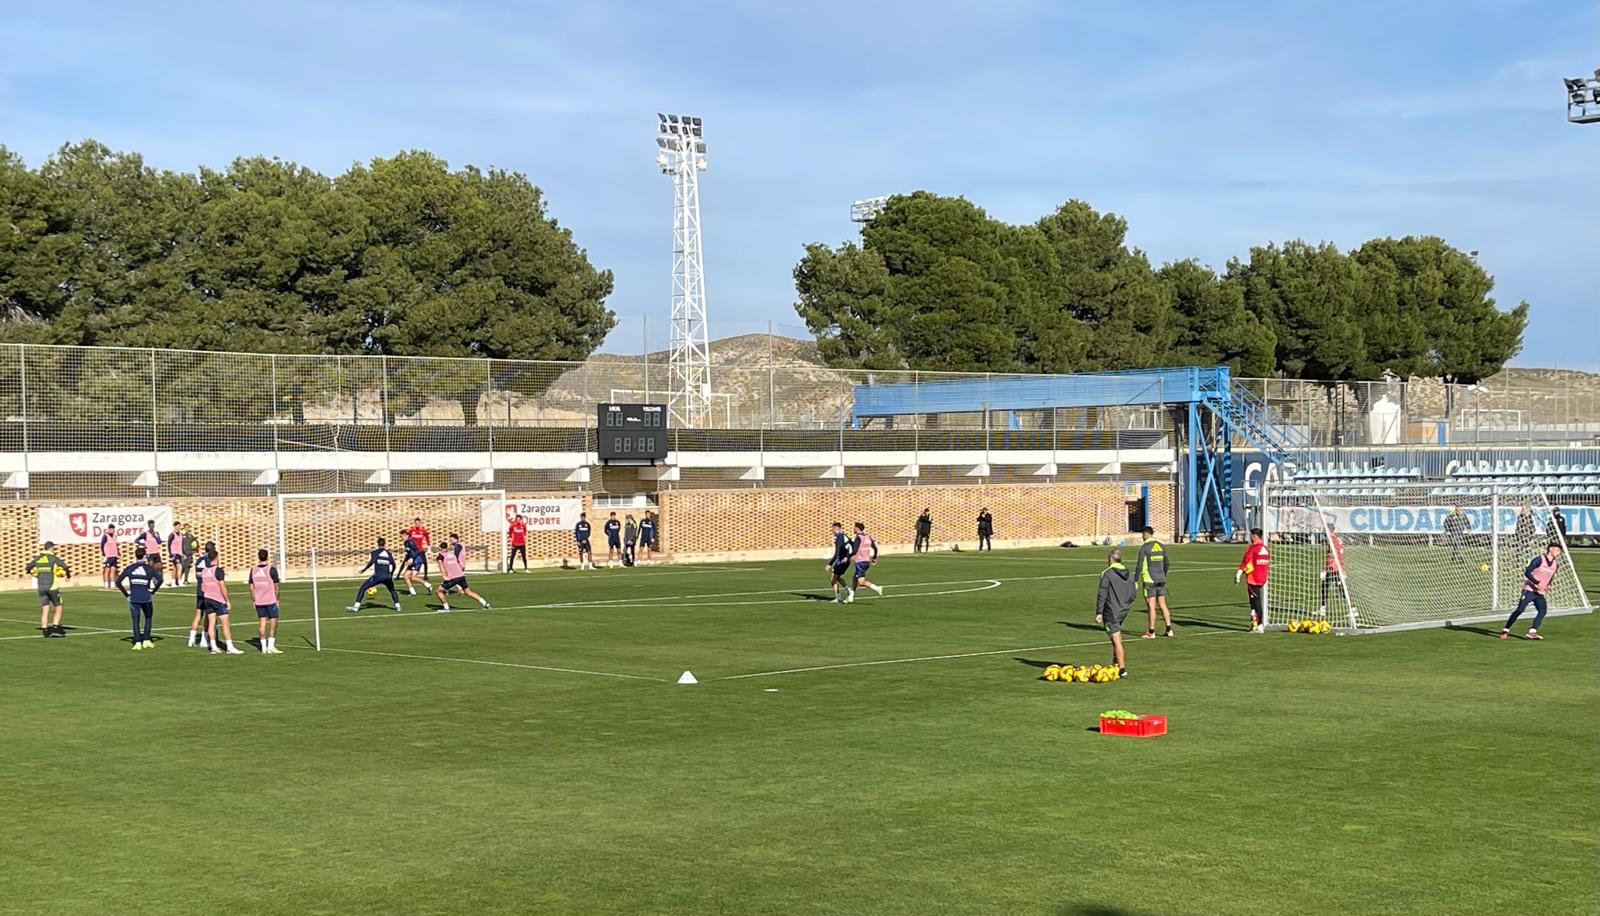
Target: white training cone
column 687, row 678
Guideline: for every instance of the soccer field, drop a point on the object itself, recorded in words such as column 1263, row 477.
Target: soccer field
column 898, row 755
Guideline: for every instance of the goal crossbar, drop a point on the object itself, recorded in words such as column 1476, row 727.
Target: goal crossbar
column 365, row 516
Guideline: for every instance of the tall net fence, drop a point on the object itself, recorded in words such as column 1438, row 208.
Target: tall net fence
column 1407, row 555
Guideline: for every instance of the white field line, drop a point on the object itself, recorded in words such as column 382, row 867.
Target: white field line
column 480, row 661
column 935, row 658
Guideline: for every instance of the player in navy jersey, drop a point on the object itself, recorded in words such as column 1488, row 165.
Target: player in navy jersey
column 613, row 530
column 139, row 582
column 415, row 568
column 580, row 533
column 839, row 563
column 381, row 562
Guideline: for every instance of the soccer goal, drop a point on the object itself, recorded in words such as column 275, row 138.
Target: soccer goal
column 1401, row 556
column 342, row 528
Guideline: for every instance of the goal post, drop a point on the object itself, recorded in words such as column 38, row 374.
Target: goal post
column 342, row 528
column 1393, row 555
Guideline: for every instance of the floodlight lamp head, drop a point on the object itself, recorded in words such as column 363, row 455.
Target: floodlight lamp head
column 662, row 117
column 1573, row 83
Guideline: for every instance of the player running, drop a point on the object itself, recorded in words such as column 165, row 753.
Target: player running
column 839, row 563
column 419, row 532
column 139, row 584
column 518, row 530
column 381, row 562
column 1253, row 569
column 866, row 553
column 453, row 566
column 415, row 564
column 613, row 530
column 214, row 601
column 1150, row 571
column 111, row 551
column 263, row 582
column 1111, row 604
column 1536, row 579
column 1333, row 575
column 580, row 533
column 44, row 568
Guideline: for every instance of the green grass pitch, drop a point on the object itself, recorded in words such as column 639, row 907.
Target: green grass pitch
column 899, row 755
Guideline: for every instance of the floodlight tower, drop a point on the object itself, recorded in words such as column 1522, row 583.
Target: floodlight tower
column 865, row 211
column 1583, row 99
column 681, row 153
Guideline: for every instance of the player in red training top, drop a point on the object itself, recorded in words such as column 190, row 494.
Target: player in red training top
column 419, row 532
column 518, row 529
column 1253, row 569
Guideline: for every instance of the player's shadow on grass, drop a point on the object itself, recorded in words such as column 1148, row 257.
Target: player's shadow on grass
column 1098, row 909
column 1203, row 624
column 812, row 596
column 1481, row 631
column 1090, row 627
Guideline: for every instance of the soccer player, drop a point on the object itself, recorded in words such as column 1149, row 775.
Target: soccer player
column 1557, row 529
column 518, row 530
column 174, row 551
column 647, row 536
column 1536, row 579
column 630, row 537
column 419, row 533
column 866, row 553
column 1333, row 575
column 415, row 564
column 263, row 582
column 1111, row 604
column 197, row 635
column 191, row 552
column 1527, row 529
column 839, row 563
column 44, row 568
column 1253, row 569
column 924, row 531
column 985, row 529
column 1150, row 570
column 139, row 584
column 453, row 567
column 109, row 550
column 214, row 601
column 613, row 530
column 1456, row 525
column 580, row 533
column 150, row 540
column 381, row 562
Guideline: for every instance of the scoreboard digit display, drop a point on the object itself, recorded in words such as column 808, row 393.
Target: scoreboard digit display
column 634, row 433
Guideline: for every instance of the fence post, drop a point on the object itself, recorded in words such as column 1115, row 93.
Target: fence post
column 388, row 459
column 155, row 430
column 22, row 372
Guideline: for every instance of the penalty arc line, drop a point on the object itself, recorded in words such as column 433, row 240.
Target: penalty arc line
column 935, row 658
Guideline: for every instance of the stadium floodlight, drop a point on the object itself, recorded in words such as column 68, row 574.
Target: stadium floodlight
column 865, row 211
column 682, row 156
column 1583, row 98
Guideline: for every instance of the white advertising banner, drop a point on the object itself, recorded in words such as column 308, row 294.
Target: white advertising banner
column 541, row 514
column 85, row 524
column 1427, row 519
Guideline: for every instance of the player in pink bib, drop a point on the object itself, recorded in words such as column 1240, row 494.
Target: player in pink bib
column 453, row 566
column 214, row 602
column 1536, row 579
column 864, row 555
column 263, row 581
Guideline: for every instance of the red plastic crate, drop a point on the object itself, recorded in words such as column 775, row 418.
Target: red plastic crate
column 1142, row 727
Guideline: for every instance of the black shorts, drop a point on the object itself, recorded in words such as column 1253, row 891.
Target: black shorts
column 1112, row 621
column 614, row 543
column 49, row 596
column 113, row 562
column 841, row 568
column 645, row 540
column 583, row 546
column 213, row 607
column 449, row 584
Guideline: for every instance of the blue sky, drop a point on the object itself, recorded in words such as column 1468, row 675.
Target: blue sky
column 1210, row 127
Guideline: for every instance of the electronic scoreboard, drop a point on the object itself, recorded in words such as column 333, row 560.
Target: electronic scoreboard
column 632, row 433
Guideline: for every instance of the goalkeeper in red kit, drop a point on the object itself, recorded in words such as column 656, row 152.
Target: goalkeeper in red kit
column 1253, row 570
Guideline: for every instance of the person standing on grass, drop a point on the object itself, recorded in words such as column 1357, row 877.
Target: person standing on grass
column 191, row 552
column 45, row 567
column 1557, row 529
column 1253, row 569
column 580, row 533
column 518, row 532
column 1111, row 604
column 1536, row 579
column 924, row 531
column 1150, row 571
column 630, row 537
column 109, row 550
column 985, row 529
column 1333, row 576
column 613, row 530
column 214, row 592
column 197, row 633
column 150, row 540
column 1527, row 529
column 263, row 582
column 866, row 554
column 419, row 533
column 381, row 562
column 452, row 566
column 139, row 584
column 647, row 536
column 1456, row 526
column 174, row 552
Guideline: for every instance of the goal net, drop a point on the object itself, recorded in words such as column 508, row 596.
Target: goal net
column 1407, row 555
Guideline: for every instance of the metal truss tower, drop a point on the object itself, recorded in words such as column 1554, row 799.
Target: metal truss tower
column 681, row 153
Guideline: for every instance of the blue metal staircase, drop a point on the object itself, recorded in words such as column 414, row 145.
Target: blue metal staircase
column 1253, row 418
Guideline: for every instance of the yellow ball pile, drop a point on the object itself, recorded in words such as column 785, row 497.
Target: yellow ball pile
column 1310, row 626
column 1081, row 674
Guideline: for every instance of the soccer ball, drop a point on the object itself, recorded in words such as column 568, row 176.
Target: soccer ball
column 1294, row 626
column 1081, row 675
column 372, row 591
column 1483, row 567
column 1052, row 673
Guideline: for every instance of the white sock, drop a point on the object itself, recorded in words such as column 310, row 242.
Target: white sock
column 483, row 602
column 230, row 645
column 193, row 634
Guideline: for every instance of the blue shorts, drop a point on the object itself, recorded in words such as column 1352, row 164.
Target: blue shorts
column 647, row 539
column 449, row 584
column 614, row 543
column 112, row 563
column 213, row 607
column 861, row 567
column 267, row 610
column 416, row 562
column 583, row 546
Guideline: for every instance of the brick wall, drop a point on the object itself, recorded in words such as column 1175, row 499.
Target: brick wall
column 740, row 521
